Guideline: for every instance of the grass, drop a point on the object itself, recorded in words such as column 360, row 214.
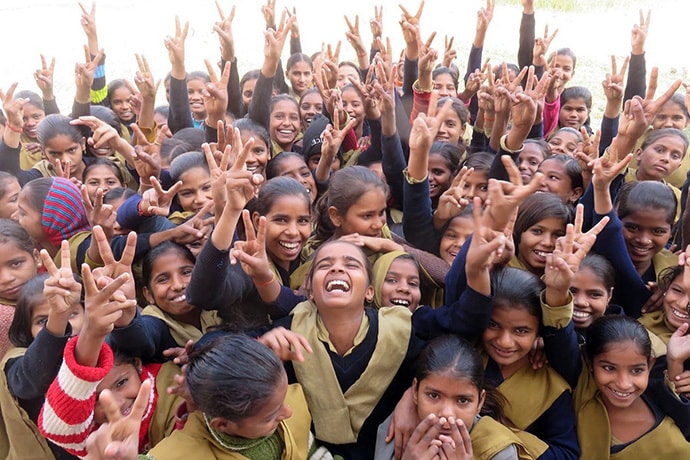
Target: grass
column 570, row 6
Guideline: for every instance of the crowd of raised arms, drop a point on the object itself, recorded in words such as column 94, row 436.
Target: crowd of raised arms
column 388, row 258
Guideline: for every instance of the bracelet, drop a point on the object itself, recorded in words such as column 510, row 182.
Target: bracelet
column 14, row 129
column 489, row 119
column 361, row 55
column 273, row 277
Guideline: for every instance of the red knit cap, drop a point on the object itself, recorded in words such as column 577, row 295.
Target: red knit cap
column 64, row 214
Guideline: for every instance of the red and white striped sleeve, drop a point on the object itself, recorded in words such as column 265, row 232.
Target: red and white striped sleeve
column 66, row 417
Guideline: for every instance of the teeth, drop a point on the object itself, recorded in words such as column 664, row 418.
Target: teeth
column 252, row 168
column 400, row 302
column 179, row 298
column 541, row 253
column 285, row 131
column 679, row 314
column 290, row 246
column 340, row 285
column 619, row 394
column 581, row 314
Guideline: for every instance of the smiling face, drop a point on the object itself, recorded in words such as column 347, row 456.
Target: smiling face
column 124, row 382
column 292, row 166
column 353, row 105
column 567, row 67
column 645, row 232
column 39, row 317
column 311, row 104
column 528, row 161
column 446, row 395
column 195, row 190
column 538, row 241
column 195, row 93
column 477, row 184
column 284, row 123
column 288, row 225
column 564, row 142
column 440, row 175
column 16, row 268
column 574, row 113
column 660, row 159
column 102, row 177
column 120, row 102
column 675, row 303
column 459, row 229
column 557, row 181
column 451, row 129
column 366, row 216
column 8, row 202
column 444, row 84
column 339, row 278
column 621, row 373
column 401, row 286
column 509, row 337
column 28, row 217
column 170, row 275
column 248, row 91
column 590, row 297
column 258, row 155
column 671, row 115
column 32, row 116
column 345, row 73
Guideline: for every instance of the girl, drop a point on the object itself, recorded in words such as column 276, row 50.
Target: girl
column 196, row 87
column 18, row 265
column 192, row 170
column 353, row 104
column 51, row 210
column 168, row 321
column 540, row 221
column 638, row 230
column 612, row 391
column 284, row 123
column 246, row 407
column 459, row 228
column 564, row 140
column 262, row 150
column 285, row 206
column 310, row 104
column 445, row 81
column 533, row 153
column 292, row 165
column 562, row 177
column 48, row 312
column 300, row 73
column 348, row 72
column 592, row 289
column 103, row 174
column 452, row 128
column 71, row 409
column 444, row 163
column 397, row 281
column 119, row 100
column 477, row 183
column 9, row 193
column 247, row 84
column 33, row 112
column 576, row 105
column 674, row 114
column 449, row 388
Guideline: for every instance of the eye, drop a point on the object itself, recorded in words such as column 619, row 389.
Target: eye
column 660, row 231
column 521, row 330
column 463, row 401
column 17, row 263
column 536, row 231
column 391, row 280
column 162, row 279
column 187, row 271
column 607, row 368
column 483, row 187
column 638, row 370
column 493, row 325
column 122, row 382
column 432, row 395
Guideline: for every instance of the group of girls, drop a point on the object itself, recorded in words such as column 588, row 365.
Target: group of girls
column 359, row 260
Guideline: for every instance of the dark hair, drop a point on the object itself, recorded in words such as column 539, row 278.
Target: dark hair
column 163, row 110
column 199, row 75
column 162, row 249
column 541, row 145
column 348, row 64
column 565, row 129
column 346, row 186
column 233, row 376
column 298, row 57
column 634, row 196
column 536, row 208
column 183, row 163
column 11, row 231
column 441, row 70
column 55, row 125
column 192, row 136
column 567, row 52
column 450, row 354
column 572, row 169
column 117, row 193
column 112, row 87
column 5, row 177
column 105, row 114
column 667, row 275
column 611, row 329
column 355, row 250
column 516, row 288
column 174, row 147
column 273, row 167
column 32, row 293
column 103, row 162
column 657, row 134
column 250, row 126
column 458, row 107
column 38, row 192
column 480, row 161
column 679, row 100
column 34, row 98
column 578, row 92
column 451, row 153
column 601, row 267
column 251, row 75
column 277, row 188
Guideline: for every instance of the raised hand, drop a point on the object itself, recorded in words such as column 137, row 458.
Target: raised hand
column 424, row 443
column 426, row 126
column 98, row 213
column 457, row 446
column 175, row 46
column 216, row 94
column 13, row 108
column 287, row 345
column 449, row 53
column 156, row 201
column 354, row 37
column 84, row 75
column 144, row 79
column 376, row 23
column 60, row 289
column 102, row 134
column 487, row 245
column 44, row 78
column 453, row 200
column 638, row 36
column 88, row 21
column 224, row 30
column 613, row 84
column 652, row 106
column 541, row 47
column 269, row 12
column 251, row 253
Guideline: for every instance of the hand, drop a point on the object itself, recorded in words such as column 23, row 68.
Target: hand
column 523, row 109
column 146, row 156
column 333, row 136
column 287, row 345
column 541, row 46
column 240, row 184
column 414, row 20
column 216, row 94
column 180, row 355
column 486, row 245
column 376, row 24
column 656, row 299
column 457, row 446
column 652, row 106
column 156, row 201
column 60, row 289
column 613, row 84
column 426, row 126
column 403, row 423
column 13, row 108
column 103, row 135
column 88, row 20
column 638, row 36
column 197, row 228
column 113, row 268
column 98, row 213
column 605, row 169
column 678, row 347
column 119, row 438
column 354, row 37
column 449, row 53
column 273, row 45
column 269, row 12
column 484, row 17
column 175, row 47
column 84, row 75
column 372, row 243
column 44, row 78
column 424, row 443
column 251, row 253
column 632, row 124
column 537, row 355
column 427, row 55
column 224, row 30
column 144, row 79
column 587, row 150
column 294, row 26
column 453, row 200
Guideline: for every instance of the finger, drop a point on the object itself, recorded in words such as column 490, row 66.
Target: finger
column 210, row 158
column 261, row 233
column 220, row 11
column 248, row 226
column 103, row 245
column 90, row 288
column 130, row 250
column 142, row 400
column 211, row 71
column 653, row 81
column 110, row 406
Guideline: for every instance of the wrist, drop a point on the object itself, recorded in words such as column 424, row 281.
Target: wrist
column 264, row 280
column 13, row 128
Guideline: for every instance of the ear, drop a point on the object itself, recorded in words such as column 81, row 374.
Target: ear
column 138, row 366
column 575, row 194
column 220, row 424
column 652, row 360
column 335, row 217
column 83, row 143
column 610, row 296
column 369, row 294
column 415, row 389
column 147, row 295
column 638, row 153
column 255, row 220
column 37, row 258
column 482, row 398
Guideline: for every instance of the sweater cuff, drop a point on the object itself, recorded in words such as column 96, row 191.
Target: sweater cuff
column 557, row 317
column 74, row 376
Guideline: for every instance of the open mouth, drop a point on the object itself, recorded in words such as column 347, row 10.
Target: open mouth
column 338, row 285
column 541, row 256
column 680, row 314
column 401, row 302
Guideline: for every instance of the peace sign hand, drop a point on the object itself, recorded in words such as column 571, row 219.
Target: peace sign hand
column 156, row 201
column 224, row 30
column 251, row 253
column 44, row 78
column 60, row 289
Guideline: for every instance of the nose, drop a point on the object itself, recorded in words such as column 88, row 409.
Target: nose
column 403, row 286
column 623, row 381
column 15, row 215
column 285, row 412
column 6, row 276
column 580, row 299
column 291, row 228
column 447, row 410
column 549, row 240
column 178, row 282
column 504, row 340
column 379, row 223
